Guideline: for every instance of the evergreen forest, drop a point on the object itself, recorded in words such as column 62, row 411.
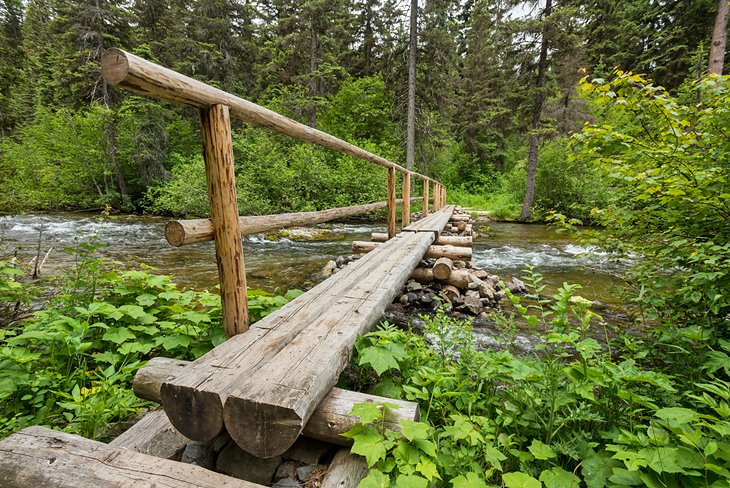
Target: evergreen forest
column 607, row 119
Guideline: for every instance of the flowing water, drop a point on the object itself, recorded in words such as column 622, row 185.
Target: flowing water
column 501, row 248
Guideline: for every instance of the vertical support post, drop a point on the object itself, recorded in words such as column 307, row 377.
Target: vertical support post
column 436, row 198
column 218, row 154
column 406, row 208
column 443, row 197
column 425, row 197
column 391, row 203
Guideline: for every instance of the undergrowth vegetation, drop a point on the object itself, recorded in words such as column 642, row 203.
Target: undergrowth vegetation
column 71, row 364
column 578, row 412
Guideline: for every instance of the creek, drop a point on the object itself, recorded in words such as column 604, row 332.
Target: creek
column 289, row 262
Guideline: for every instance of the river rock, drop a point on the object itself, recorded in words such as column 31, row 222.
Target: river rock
column 236, row 462
column 287, row 469
column 459, row 265
column 200, row 454
column 427, row 298
column 414, row 286
column 329, row 269
column 472, row 303
column 286, row 483
column 403, row 300
column 480, row 273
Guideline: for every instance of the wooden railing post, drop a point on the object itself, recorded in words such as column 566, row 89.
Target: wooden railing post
column 425, row 197
column 443, row 197
column 436, row 198
column 406, row 209
column 391, row 203
column 218, row 154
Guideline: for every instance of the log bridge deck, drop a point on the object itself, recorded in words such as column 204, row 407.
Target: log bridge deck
column 264, row 387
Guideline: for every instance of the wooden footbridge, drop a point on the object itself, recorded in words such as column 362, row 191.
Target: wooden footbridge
column 268, row 383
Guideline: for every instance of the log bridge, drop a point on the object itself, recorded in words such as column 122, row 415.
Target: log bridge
column 269, row 382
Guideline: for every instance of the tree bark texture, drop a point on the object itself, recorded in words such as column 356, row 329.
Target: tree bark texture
column 719, row 38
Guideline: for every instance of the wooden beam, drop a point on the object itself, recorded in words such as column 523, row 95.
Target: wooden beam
column 435, row 252
column 391, row 203
column 185, row 232
column 462, row 241
column 37, row 456
column 330, row 419
column 218, row 154
column 406, row 209
column 345, row 471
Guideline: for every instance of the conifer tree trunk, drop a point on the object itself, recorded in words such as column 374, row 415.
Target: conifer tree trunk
column 411, row 123
column 536, row 116
column 719, row 38
column 312, row 122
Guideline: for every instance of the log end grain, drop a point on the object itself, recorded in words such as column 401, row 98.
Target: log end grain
column 114, row 65
column 262, row 430
column 182, row 404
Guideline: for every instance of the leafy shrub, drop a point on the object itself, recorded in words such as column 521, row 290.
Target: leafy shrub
column 579, row 412
column 71, row 365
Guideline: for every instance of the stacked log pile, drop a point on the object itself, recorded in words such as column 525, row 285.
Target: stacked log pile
column 447, row 276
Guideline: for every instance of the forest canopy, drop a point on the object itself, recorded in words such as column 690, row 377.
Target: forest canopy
column 495, row 80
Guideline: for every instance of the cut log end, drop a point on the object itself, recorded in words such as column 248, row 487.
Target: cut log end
column 175, row 233
column 442, row 268
column 114, row 66
column 181, row 404
column 262, row 430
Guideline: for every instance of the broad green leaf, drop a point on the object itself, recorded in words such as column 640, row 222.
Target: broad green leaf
column 541, row 450
column 677, row 414
column 414, row 430
column 470, row 480
column 428, row 469
column 557, row 477
column 520, row 480
column 369, row 444
column 410, row 481
column 597, row 469
column 380, row 358
column 172, row 342
column 370, row 412
column 117, row 335
column 375, row 479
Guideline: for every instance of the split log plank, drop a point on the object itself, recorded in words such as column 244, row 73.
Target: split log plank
column 442, row 268
column 432, row 225
column 462, row 241
column 435, row 252
column 267, row 410
column 330, row 419
column 345, row 471
column 37, row 456
column 185, row 232
column 194, row 402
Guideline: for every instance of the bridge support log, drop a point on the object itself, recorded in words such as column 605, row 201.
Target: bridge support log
column 346, row 471
column 435, row 252
column 458, row 277
column 330, row 419
column 442, row 268
column 461, row 241
column 37, row 456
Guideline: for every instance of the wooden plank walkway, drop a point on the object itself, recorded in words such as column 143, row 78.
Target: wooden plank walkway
column 264, row 385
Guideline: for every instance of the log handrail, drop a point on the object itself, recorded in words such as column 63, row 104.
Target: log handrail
column 136, row 74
